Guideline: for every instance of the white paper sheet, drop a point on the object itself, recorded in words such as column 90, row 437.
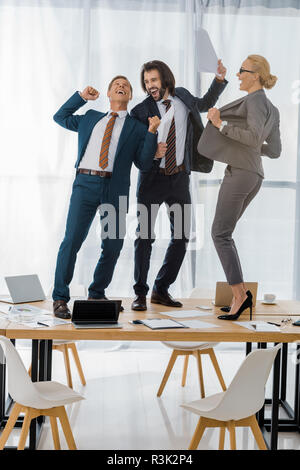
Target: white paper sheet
column 207, row 57
column 184, row 314
column 198, row 324
column 161, row 323
column 258, row 325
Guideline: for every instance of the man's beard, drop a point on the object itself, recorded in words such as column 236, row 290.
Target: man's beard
column 159, row 93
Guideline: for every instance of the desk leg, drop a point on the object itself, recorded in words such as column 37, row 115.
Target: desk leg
column 248, row 348
column 261, row 413
column 297, row 383
column 2, row 388
column 41, row 363
column 275, row 401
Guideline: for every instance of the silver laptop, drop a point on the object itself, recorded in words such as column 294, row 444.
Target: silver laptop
column 22, row 289
column 223, row 294
column 96, row 314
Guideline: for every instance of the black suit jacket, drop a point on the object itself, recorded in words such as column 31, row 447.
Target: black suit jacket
column 193, row 160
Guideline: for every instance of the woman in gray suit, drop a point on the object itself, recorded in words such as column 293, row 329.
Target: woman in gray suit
column 239, row 134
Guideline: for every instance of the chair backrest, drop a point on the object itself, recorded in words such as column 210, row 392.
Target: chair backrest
column 19, row 385
column 246, row 393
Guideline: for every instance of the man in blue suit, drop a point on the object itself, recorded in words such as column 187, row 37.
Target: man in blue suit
column 108, row 144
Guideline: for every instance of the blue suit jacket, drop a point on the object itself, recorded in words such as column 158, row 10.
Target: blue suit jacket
column 192, row 159
column 136, row 145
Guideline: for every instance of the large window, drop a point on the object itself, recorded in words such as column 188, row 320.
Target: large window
column 50, row 48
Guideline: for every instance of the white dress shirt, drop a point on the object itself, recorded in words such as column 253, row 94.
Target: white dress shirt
column 180, row 115
column 91, row 157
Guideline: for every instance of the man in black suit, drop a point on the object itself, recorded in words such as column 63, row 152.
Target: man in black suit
column 168, row 179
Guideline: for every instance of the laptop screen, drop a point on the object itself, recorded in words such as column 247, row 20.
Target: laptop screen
column 89, row 311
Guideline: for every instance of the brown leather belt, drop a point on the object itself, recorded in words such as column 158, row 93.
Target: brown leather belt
column 176, row 170
column 102, row 174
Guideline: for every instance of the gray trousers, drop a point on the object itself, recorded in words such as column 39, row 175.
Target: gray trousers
column 237, row 190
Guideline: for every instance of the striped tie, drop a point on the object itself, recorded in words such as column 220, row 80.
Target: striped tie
column 170, row 157
column 103, row 161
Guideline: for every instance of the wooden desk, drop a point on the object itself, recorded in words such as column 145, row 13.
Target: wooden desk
column 224, row 332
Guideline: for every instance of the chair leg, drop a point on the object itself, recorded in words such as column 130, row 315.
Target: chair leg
column 29, row 415
column 231, row 428
column 185, row 368
column 10, row 424
column 67, row 365
column 257, row 433
column 215, row 363
column 200, row 372
column 167, row 372
column 200, row 428
column 73, row 348
column 66, row 428
column 55, row 434
column 222, row 438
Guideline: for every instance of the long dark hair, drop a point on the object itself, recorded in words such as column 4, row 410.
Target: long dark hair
column 166, row 75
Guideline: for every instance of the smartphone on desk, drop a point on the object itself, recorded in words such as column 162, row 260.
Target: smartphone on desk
column 296, row 323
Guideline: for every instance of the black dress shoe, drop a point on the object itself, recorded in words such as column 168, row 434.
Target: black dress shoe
column 105, row 298
column 164, row 299
column 61, row 309
column 139, row 303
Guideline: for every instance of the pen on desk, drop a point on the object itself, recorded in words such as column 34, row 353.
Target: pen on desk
column 40, row 323
column 271, row 323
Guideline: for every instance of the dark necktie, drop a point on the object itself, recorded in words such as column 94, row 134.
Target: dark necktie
column 103, row 159
column 170, row 157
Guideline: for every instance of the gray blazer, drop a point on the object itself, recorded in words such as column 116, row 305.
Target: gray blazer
column 252, row 131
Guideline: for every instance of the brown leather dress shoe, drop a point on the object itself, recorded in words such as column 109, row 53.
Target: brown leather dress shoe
column 61, row 309
column 139, row 303
column 164, row 299
column 105, row 298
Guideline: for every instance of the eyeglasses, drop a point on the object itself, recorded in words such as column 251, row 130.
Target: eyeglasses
column 286, row 321
column 244, row 70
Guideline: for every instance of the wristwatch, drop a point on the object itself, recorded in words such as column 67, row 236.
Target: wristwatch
column 224, row 123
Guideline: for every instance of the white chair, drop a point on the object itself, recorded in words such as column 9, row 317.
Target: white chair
column 236, row 406
column 76, row 290
column 188, row 349
column 35, row 399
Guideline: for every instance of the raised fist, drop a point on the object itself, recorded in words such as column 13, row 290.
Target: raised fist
column 89, row 93
column 154, row 122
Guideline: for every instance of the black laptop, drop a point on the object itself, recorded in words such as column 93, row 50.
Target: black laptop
column 96, row 314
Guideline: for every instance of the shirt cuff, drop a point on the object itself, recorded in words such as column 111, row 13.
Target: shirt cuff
column 81, row 96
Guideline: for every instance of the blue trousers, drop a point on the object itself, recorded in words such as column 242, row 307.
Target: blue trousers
column 88, row 194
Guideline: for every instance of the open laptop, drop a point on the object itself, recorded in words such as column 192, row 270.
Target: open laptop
column 26, row 288
column 96, row 314
column 223, row 294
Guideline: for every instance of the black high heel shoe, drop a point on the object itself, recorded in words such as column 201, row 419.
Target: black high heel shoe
column 225, row 309
column 246, row 304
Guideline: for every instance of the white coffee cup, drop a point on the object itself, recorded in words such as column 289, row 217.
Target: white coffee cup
column 269, row 297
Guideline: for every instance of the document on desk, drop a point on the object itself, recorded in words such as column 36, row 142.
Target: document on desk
column 23, row 309
column 198, row 324
column 161, row 323
column 258, row 325
column 185, row 313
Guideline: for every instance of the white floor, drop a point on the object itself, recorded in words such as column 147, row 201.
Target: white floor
column 121, row 409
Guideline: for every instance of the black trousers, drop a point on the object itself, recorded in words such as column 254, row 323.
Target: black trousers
column 156, row 188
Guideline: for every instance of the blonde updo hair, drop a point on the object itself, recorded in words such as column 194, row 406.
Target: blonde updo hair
column 262, row 67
